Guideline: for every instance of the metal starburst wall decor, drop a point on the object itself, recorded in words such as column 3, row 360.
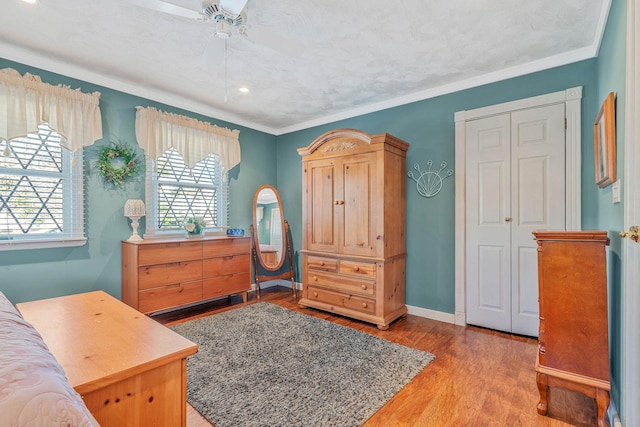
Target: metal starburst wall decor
column 429, row 182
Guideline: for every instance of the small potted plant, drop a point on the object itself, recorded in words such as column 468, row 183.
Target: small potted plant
column 195, row 226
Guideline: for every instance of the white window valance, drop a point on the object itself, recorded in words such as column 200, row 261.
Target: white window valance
column 26, row 102
column 157, row 131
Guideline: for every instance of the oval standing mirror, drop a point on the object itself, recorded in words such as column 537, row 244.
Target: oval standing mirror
column 268, row 225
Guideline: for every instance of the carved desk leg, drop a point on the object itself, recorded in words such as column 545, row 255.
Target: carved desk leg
column 543, row 387
column 602, row 401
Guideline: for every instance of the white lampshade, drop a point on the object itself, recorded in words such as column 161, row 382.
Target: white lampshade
column 134, row 209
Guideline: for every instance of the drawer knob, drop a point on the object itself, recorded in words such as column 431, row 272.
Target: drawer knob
column 364, row 305
column 315, row 278
column 321, row 263
column 364, row 287
column 356, row 268
column 315, row 294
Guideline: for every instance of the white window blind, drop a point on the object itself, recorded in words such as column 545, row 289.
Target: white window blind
column 41, row 195
column 175, row 192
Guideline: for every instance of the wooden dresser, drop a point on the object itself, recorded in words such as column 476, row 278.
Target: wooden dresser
column 162, row 274
column 354, row 221
column 573, row 350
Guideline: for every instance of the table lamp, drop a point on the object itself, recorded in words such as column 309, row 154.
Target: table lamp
column 134, row 209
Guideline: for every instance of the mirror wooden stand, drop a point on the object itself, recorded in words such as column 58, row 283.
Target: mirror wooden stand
column 270, row 239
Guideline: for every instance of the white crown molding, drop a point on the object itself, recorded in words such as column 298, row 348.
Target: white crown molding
column 54, row 65
column 507, row 73
column 602, row 25
column 33, row 59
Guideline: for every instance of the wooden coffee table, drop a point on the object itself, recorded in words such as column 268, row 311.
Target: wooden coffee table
column 129, row 369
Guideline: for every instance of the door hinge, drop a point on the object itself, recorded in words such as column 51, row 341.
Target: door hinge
column 565, row 122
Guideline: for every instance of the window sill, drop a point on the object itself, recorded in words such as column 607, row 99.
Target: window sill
column 19, row 244
column 177, row 234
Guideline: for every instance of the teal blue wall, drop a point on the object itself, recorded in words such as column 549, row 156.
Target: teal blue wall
column 429, row 127
column 610, row 72
column 33, row 274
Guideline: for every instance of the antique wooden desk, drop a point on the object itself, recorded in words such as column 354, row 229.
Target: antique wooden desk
column 129, row 369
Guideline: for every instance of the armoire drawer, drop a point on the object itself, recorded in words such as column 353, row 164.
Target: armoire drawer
column 164, row 297
column 225, row 265
column 169, row 252
column 153, row 276
column 351, row 302
column 321, row 263
column 225, row 285
column 341, row 283
column 358, row 268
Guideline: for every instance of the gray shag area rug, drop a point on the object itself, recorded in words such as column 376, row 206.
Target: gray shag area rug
column 264, row 365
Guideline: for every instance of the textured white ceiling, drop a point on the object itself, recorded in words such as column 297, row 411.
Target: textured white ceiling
column 359, row 55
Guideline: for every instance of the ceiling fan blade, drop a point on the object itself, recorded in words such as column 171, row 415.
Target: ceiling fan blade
column 214, row 51
column 163, row 6
column 274, row 41
column 233, row 6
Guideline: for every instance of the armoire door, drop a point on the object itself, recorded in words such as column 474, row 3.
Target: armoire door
column 357, row 218
column 321, row 228
column 515, row 185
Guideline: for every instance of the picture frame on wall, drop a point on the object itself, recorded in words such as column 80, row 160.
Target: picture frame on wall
column 604, row 137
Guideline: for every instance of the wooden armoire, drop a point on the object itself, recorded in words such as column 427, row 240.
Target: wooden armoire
column 354, row 225
column 573, row 343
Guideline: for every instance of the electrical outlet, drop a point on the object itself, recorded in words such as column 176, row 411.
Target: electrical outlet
column 615, row 192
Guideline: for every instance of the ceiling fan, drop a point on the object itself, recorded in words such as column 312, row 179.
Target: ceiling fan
column 229, row 17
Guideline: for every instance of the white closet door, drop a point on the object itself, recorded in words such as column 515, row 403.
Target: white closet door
column 488, row 233
column 537, row 202
column 515, row 185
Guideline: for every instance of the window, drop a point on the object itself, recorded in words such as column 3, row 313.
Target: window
column 175, row 192
column 41, row 194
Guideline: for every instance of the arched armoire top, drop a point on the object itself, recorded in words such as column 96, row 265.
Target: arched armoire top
column 357, row 137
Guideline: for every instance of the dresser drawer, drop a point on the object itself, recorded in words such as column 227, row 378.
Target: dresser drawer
column 225, row 285
column 225, row 265
column 321, row 263
column 164, row 297
column 161, row 253
column 225, row 246
column 153, row 276
column 351, row 302
column 358, row 268
column 341, row 283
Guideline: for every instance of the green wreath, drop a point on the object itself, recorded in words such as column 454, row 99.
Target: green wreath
column 127, row 166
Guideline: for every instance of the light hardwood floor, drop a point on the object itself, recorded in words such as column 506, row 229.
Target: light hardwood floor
column 479, row 377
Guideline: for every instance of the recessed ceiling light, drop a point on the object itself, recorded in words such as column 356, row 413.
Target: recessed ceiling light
column 243, row 89
column 30, row 1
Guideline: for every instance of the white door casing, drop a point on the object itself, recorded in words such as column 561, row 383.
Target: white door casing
column 630, row 393
column 571, row 99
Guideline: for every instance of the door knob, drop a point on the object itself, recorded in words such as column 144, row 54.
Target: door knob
column 508, row 219
column 633, row 233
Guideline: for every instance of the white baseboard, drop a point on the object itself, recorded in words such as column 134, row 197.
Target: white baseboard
column 431, row 314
